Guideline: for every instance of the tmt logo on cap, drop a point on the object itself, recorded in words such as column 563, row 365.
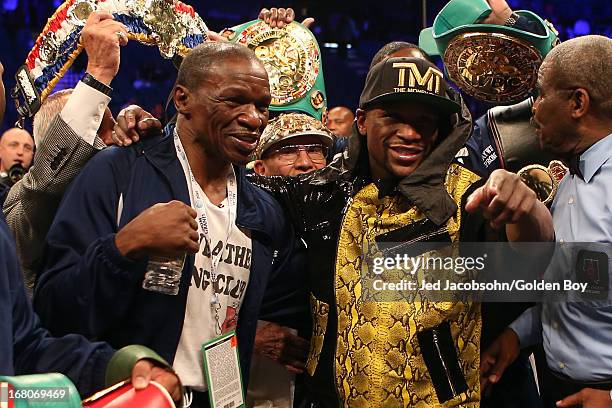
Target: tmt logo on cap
column 430, row 81
column 407, row 79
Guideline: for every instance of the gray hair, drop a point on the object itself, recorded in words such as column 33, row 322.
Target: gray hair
column 584, row 62
column 47, row 112
column 200, row 61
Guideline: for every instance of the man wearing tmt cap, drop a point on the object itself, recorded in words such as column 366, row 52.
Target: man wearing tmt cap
column 396, row 181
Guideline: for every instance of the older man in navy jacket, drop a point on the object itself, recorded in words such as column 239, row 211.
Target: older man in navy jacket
column 181, row 193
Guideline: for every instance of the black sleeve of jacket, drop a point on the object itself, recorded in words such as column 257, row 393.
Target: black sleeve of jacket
column 288, row 192
column 86, row 285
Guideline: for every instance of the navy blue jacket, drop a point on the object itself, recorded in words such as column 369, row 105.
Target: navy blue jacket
column 26, row 347
column 87, row 287
column 483, row 155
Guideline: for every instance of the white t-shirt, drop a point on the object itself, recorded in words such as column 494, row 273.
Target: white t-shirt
column 201, row 324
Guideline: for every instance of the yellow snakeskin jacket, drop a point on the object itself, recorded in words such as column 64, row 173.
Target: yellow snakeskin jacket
column 378, row 358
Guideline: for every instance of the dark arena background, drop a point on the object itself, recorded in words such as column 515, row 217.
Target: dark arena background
column 349, row 33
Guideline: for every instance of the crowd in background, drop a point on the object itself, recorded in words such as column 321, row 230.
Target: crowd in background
column 363, row 24
column 194, row 198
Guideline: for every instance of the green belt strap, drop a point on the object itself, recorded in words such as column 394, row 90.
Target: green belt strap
column 123, row 361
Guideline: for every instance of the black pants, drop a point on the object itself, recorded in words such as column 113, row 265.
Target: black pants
column 556, row 388
column 516, row 388
column 200, row 400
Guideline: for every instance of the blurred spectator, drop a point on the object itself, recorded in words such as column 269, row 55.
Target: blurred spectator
column 16, row 146
column 582, row 27
column 340, row 121
column 16, row 153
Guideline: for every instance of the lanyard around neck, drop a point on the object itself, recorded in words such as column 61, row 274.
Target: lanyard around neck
column 198, row 201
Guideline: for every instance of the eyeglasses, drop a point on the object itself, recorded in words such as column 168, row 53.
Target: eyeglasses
column 289, row 154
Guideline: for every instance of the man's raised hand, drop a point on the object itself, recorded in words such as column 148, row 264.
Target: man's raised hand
column 279, row 17
column 506, row 200
column 102, row 38
column 133, row 123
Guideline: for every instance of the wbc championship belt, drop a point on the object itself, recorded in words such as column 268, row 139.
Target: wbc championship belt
column 292, row 59
column 493, row 63
column 174, row 27
column 492, row 67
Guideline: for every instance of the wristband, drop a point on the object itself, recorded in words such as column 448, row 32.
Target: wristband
column 511, row 21
column 90, row 80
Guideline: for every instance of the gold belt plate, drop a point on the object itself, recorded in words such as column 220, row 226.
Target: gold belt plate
column 492, row 67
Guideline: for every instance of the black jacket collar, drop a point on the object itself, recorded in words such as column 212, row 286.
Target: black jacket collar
column 425, row 186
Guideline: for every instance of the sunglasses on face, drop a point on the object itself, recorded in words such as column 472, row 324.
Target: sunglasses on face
column 289, row 154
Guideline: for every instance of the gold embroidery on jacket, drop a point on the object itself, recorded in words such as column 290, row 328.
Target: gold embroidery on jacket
column 378, row 361
column 320, row 312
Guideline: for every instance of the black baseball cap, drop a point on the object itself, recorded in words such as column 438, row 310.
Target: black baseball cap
column 407, row 79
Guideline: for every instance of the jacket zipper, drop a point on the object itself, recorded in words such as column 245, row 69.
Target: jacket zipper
column 417, row 239
column 444, row 366
column 426, row 236
column 420, row 238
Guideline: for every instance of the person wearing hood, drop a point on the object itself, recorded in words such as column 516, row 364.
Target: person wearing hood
column 397, row 180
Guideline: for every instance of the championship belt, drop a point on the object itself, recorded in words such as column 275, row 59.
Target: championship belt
column 292, row 59
column 515, row 138
column 544, row 181
column 493, row 63
column 170, row 24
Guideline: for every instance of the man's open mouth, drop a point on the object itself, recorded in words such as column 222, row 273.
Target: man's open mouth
column 406, row 153
column 246, row 142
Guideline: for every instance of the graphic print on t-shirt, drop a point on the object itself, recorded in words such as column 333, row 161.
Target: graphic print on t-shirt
column 204, row 322
column 213, row 299
column 229, row 285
